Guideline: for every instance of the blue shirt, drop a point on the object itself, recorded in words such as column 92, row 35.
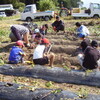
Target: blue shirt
column 83, row 30
column 15, row 56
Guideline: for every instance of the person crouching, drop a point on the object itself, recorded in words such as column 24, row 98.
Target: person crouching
column 41, row 56
column 16, row 53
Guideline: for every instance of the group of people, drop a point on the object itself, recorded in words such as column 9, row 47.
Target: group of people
column 88, row 54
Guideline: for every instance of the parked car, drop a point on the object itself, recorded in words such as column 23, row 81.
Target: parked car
column 93, row 11
column 2, row 14
column 31, row 13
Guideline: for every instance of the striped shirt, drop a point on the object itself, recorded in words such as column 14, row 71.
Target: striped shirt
column 21, row 29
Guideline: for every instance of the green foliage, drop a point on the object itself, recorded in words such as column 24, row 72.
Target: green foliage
column 67, row 68
column 56, row 91
column 83, row 93
column 1, row 62
column 48, row 84
column 42, row 4
column 46, row 5
column 1, row 18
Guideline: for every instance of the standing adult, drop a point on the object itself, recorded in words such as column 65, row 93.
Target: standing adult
column 20, row 32
column 58, row 25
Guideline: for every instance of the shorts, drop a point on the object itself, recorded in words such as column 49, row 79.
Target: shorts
column 41, row 61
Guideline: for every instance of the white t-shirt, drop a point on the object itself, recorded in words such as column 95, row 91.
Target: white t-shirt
column 38, row 52
column 83, row 29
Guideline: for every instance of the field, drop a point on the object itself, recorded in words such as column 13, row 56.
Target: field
column 64, row 48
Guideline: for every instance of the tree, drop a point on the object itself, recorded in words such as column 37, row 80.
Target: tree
column 27, row 2
column 46, row 5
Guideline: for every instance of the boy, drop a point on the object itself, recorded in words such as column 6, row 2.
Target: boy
column 81, row 29
column 16, row 53
column 58, row 25
column 90, row 59
column 40, row 56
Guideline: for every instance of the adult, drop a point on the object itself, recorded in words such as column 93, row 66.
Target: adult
column 81, row 29
column 41, row 56
column 58, row 24
column 90, row 59
column 19, row 32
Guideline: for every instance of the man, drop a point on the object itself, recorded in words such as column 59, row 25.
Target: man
column 58, row 25
column 19, row 32
column 40, row 56
column 81, row 29
column 90, row 59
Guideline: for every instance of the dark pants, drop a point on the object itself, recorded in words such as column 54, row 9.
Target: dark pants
column 16, row 33
column 41, row 61
column 61, row 27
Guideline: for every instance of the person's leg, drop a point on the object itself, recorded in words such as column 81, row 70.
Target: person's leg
column 25, row 36
column 80, row 58
column 61, row 27
column 98, row 62
column 51, row 57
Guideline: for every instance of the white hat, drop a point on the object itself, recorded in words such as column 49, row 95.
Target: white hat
column 36, row 31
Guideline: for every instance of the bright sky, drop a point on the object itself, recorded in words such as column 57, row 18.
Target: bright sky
column 87, row 2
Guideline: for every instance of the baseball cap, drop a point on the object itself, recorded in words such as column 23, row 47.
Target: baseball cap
column 94, row 43
column 20, row 43
column 36, row 31
column 45, row 40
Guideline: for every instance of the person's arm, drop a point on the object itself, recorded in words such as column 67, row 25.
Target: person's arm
column 53, row 24
column 22, row 53
column 47, row 50
column 61, row 22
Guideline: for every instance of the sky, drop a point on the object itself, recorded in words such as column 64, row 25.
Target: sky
column 87, row 2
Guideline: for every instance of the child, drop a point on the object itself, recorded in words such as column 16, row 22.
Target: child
column 16, row 53
column 43, row 29
column 40, row 56
column 58, row 25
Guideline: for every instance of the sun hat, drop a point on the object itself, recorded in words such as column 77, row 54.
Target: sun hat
column 20, row 43
column 45, row 40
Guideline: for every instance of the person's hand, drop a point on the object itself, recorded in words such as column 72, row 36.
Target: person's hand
column 54, row 28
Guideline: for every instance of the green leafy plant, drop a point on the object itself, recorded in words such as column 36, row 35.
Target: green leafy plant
column 67, row 68
column 48, row 84
column 83, row 93
column 46, row 5
column 88, row 72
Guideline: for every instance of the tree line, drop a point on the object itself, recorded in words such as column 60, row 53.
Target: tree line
column 42, row 4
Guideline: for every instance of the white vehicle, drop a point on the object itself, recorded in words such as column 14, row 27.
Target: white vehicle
column 6, row 7
column 30, row 13
column 93, row 11
column 2, row 14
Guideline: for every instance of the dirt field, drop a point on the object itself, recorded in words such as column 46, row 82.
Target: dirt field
column 64, row 47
